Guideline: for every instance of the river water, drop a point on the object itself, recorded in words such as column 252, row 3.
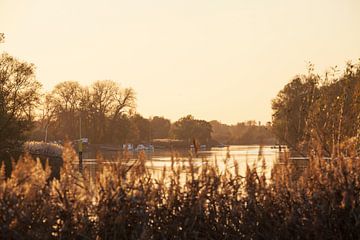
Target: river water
column 224, row 158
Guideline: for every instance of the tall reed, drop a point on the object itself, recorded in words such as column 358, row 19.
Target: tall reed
column 125, row 201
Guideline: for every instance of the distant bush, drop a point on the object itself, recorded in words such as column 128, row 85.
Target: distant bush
column 43, row 148
column 47, row 153
column 124, row 201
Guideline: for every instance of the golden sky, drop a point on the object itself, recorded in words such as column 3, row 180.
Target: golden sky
column 215, row 59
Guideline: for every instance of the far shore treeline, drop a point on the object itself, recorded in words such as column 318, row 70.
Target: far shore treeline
column 311, row 110
column 107, row 115
column 104, row 112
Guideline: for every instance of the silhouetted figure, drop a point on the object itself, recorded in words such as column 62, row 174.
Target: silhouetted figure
column 80, row 155
column 195, row 147
column 228, row 152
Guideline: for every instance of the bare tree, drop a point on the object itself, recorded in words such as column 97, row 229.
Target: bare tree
column 108, row 102
column 99, row 106
column 47, row 114
column 66, row 100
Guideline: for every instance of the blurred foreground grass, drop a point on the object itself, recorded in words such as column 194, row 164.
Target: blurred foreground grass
column 126, row 202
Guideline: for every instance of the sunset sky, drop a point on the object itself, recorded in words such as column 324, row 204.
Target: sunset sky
column 215, row 59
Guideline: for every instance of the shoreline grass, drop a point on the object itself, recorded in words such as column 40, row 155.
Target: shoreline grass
column 127, row 203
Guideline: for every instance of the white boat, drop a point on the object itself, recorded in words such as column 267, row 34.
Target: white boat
column 128, row 147
column 142, row 147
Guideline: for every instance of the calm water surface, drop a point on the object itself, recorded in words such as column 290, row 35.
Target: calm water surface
column 224, row 158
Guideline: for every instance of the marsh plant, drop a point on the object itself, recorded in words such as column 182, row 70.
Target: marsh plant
column 124, row 201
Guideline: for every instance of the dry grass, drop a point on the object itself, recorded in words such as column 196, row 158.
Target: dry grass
column 124, row 203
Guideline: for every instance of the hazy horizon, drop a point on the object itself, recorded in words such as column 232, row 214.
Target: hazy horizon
column 216, row 60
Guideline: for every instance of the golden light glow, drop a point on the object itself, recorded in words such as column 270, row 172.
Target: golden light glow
column 214, row 59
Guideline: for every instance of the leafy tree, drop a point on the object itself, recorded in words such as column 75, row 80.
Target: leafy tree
column 221, row 132
column 202, row 131
column 291, row 110
column 160, row 127
column 19, row 95
column 321, row 113
column 183, row 128
column 242, row 133
column 188, row 128
column 335, row 118
column 125, row 130
column 143, row 126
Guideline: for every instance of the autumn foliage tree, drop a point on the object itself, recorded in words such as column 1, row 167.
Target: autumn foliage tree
column 291, row 110
column 160, row 127
column 19, row 95
column 319, row 111
column 188, row 128
column 242, row 133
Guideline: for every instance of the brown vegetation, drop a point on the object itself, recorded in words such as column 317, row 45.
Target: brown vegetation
column 19, row 95
column 126, row 202
column 243, row 133
column 321, row 108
